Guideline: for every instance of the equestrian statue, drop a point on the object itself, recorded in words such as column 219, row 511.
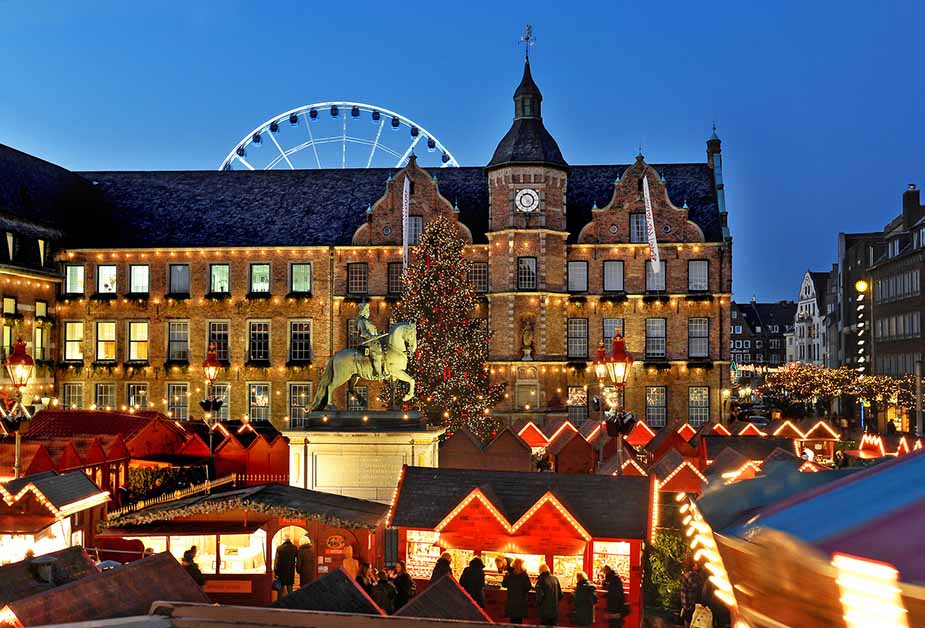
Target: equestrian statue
column 369, row 361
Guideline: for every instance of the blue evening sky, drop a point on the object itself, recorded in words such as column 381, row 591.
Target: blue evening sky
column 819, row 104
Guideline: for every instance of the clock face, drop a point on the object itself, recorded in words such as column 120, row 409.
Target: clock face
column 527, row 200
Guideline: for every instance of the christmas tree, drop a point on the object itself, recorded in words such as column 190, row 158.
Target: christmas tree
column 451, row 377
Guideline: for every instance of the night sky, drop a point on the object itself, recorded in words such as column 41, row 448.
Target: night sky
column 820, row 105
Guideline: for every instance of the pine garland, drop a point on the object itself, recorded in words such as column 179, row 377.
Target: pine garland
column 449, row 366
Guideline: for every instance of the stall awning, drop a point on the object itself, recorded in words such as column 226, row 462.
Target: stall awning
column 174, row 528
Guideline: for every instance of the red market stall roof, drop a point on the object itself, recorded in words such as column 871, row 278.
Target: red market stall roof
column 687, row 431
column 336, row 592
column 123, row 591
column 553, row 429
column 622, row 461
column 677, row 474
column 640, row 435
column 751, row 447
column 505, row 452
column 531, row 434
column 728, row 461
column 603, row 506
column 22, row 579
column 803, row 429
column 444, row 599
column 669, row 439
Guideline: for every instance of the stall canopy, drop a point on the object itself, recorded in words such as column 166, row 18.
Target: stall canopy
column 33, row 502
column 444, row 599
column 27, row 577
column 336, row 592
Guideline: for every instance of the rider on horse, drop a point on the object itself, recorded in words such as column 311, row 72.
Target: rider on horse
column 367, row 331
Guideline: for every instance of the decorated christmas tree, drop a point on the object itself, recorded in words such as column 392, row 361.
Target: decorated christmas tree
column 451, row 377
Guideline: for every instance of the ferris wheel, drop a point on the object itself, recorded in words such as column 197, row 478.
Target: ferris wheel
column 337, row 135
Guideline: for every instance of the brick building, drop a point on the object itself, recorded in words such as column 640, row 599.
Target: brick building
column 270, row 266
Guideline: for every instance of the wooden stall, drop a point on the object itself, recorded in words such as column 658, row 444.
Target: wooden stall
column 569, row 522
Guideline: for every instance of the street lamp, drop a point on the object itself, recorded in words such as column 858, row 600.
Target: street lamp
column 862, row 358
column 19, row 366
column 210, row 404
column 615, row 368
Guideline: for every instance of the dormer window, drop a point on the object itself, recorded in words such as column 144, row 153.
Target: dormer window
column 893, row 247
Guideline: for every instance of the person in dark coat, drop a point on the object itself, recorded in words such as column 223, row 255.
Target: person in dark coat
column 616, row 598
column 548, row 596
column 444, row 566
column 691, row 589
column 585, row 599
column 365, row 578
column 403, row 584
column 473, row 580
column 192, row 568
column 284, row 566
column 305, row 562
column 518, row 586
column 384, row 593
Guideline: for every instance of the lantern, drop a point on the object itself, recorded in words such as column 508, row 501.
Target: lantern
column 619, row 362
column 19, row 365
column 211, row 365
column 600, row 363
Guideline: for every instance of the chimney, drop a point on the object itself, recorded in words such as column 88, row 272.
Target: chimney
column 44, row 568
column 913, row 211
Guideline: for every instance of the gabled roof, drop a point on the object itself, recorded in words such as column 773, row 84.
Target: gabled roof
column 640, row 435
column 94, row 422
column 336, row 592
column 622, row 460
column 530, row 433
column 753, row 447
column 563, row 440
column 444, row 599
column 727, row 461
column 64, row 493
column 605, row 506
column 127, row 590
column 783, row 455
column 22, row 579
column 268, row 499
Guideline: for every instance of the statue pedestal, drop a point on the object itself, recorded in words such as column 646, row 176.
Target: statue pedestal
column 362, row 420
column 528, row 355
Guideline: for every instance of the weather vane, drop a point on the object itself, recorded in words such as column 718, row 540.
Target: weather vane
column 527, row 40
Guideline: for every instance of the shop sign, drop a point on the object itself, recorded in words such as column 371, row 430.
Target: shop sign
column 335, row 544
column 228, row 586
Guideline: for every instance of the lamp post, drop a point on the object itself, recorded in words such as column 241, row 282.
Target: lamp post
column 210, row 404
column 615, row 368
column 19, row 366
column 862, row 353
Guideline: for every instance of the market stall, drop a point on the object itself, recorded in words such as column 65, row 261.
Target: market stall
column 569, row 522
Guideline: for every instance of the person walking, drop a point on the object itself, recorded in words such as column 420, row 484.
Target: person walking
column 189, row 563
column 616, row 598
column 444, row 566
column 403, row 584
column 473, row 580
column 284, row 566
column 385, row 593
column 518, row 586
column 691, row 588
column 305, row 562
column 548, row 596
column 585, row 600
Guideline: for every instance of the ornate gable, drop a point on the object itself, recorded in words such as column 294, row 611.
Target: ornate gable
column 383, row 224
column 611, row 224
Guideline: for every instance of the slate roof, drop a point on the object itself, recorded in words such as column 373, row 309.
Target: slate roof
column 668, row 463
column 335, row 592
column 22, row 579
column 606, row 506
column 753, row 447
column 124, row 591
column 444, row 599
column 270, row 499
column 95, row 422
column 60, row 490
column 728, row 460
column 820, row 284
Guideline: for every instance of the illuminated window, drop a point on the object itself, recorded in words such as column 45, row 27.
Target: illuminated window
column 526, row 273
column 9, row 305
column 613, row 276
column 578, row 276
column 137, row 395
column 698, row 337
column 300, row 397
column 526, row 395
column 221, row 391
column 178, row 341
column 104, row 396
column 612, row 326
column 41, row 309
column 179, row 279
column 258, row 402
column 358, row 401
column 577, row 403
column 698, row 405
column 353, row 334
column 638, row 231
column 106, row 341
column 138, row 341
column 258, row 341
column 218, row 336
column 395, row 278
column 219, row 279
column 656, row 406
column 577, row 333
column 138, row 279
column 243, row 553
column 38, row 343
column 655, row 338
column 72, row 396
column 655, row 281
column 106, row 279
column 260, row 278
column 698, row 275
column 205, row 550
column 178, row 400
column 74, row 279
column 73, row 340
column 478, row 276
column 300, row 278
column 300, row 341
column 357, row 278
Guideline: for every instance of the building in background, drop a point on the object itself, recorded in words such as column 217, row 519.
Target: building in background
column 809, row 324
column 757, row 340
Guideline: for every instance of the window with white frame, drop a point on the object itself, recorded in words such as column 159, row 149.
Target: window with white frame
column 260, row 279
column 578, row 276
column 577, row 403
column 638, row 231
column 222, row 390
column 74, row 279
column 72, row 395
column 9, row 305
column 655, row 281
column 577, row 334
column 478, row 276
column 526, row 273
column 300, row 398
column 178, row 341
column 698, row 337
column 106, row 341
column 179, row 279
column 656, row 337
column 612, row 326
column 41, row 309
column 178, row 400
column 104, row 396
column 359, row 400
column 300, row 278
column 258, row 341
column 218, row 336
column 300, row 341
column 258, row 401
column 138, row 341
column 395, row 277
column 38, row 343
column 357, row 278
column 73, row 340
column 138, row 279
column 656, row 406
column 698, row 275
column 219, row 278
column 613, row 276
column 698, row 405
column 353, row 334
column 106, row 279
column 415, row 229
column 526, row 395
column 137, row 396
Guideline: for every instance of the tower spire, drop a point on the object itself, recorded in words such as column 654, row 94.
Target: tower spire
column 527, row 40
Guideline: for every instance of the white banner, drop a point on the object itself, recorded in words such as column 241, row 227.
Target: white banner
column 405, row 222
column 650, row 228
